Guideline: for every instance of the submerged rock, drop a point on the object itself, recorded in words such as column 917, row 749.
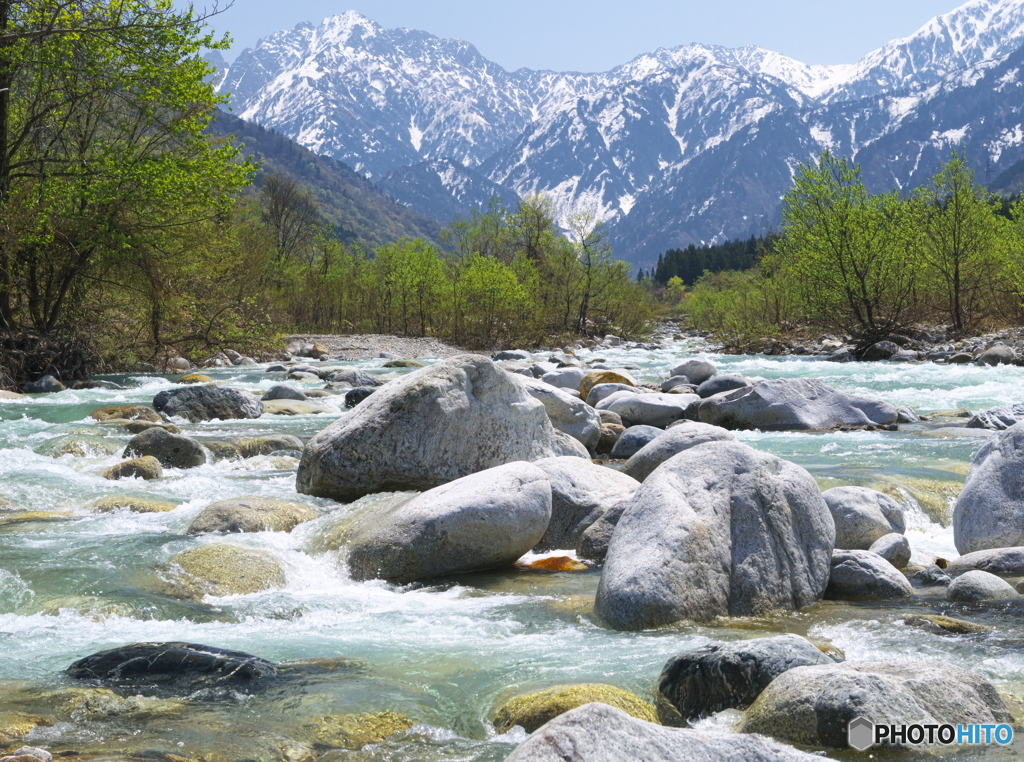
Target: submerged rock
column 126, row 413
column 721, row 676
column 532, row 710
column 812, row 706
column 483, row 521
column 946, row 625
column 800, row 404
column 254, row 446
column 173, row 664
column 251, row 514
column 601, row 733
column 354, row 731
column 990, row 510
column 131, row 503
column 205, row 403
column 458, row 417
column 718, row 529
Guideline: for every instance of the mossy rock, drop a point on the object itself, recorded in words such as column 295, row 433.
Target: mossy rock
column 79, row 447
column 16, row 518
column 251, row 514
column 147, row 467
column 113, row 503
column 223, row 450
column 14, row 726
column 532, row 710
column 100, row 703
column 137, row 427
column 935, row 497
column 196, row 378
column 404, row 364
column 223, row 569
column 126, row 412
column 946, row 625
column 591, row 380
column 253, row 446
column 293, row 407
column 354, row 731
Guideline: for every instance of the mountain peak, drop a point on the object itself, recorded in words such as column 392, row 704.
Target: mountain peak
column 350, row 25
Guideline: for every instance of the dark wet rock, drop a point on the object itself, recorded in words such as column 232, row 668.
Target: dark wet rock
column 960, row 358
column 354, row 396
column 978, row 585
column 721, row 676
column 814, row 705
column 882, row 350
column 758, row 542
column 173, row 665
column 931, row 576
column 801, row 404
column 671, row 443
column 284, row 392
column 205, row 403
column 634, row 439
column 513, row 354
column 861, row 574
column 601, row 733
column 989, row 513
column 172, row 450
column 355, row 378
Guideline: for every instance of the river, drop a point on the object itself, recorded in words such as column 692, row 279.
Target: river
column 445, row 656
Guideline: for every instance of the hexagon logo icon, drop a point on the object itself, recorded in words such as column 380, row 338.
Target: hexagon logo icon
column 860, row 733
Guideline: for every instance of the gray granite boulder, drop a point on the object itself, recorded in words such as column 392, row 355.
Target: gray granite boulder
column 581, row 494
column 793, row 404
column 601, row 733
column 998, row 418
column 568, row 413
column 861, row 574
column 251, row 514
column 486, row 520
column 813, row 706
column 206, row 403
column 1007, row 562
column 655, row 409
column 863, row 516
column 978, row 585
column 284, row 392
column 698, row 371
column 568, row 377
column 989, row 513
column 436, row 424
column 721, row 676
column 601, row 392
column 719, row 384
column 718, row 529
column 894, row 548
column 1000, row 354
column 670, row 443
column 44, row 385
column 634, row 439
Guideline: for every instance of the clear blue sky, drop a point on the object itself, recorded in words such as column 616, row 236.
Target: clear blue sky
column 595, row 35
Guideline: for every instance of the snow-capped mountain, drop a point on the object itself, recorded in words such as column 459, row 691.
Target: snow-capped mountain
column 682, row 145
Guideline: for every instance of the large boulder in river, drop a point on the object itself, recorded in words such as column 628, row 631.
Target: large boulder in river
column 697, row 370
column 862, row 516
column 568, row 414
column 582, row 493
column 172, row 450
column 205, row 403
column 672, row 442
column 861, row 574
column 440, row 423
column 974, row 586
column 655, row 409
column 1000, row 354
column 718, row 529
column 814, row 705
column 532, row 710
column 989, row 513
column 793, row 404
column 721, row 676
column 600, row 733
column 998, row 418
column 483, row 521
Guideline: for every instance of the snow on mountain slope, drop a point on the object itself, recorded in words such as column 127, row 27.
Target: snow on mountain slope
column 625, row 143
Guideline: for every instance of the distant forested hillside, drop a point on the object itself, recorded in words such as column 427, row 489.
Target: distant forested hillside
column 692, row 262
column 354, row 206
